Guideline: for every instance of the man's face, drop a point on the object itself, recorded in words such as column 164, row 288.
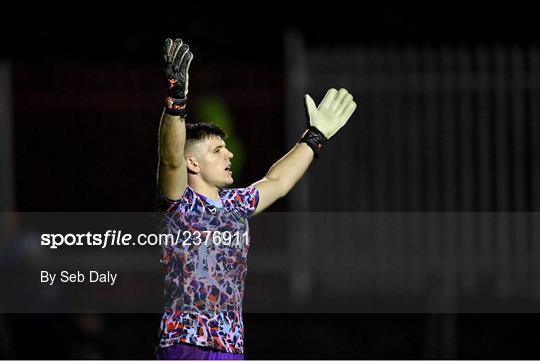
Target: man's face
column 214, row 161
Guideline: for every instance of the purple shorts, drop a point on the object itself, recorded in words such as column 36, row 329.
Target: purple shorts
column 190, row 351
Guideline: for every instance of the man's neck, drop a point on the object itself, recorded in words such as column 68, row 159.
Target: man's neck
column 210, row 192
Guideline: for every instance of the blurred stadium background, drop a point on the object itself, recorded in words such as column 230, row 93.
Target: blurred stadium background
column 447, row 121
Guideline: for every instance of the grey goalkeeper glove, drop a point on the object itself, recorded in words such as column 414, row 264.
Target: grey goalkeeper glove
column 325, row 120
column 177, row 60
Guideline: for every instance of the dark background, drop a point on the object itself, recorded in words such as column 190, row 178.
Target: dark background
column 87, row 98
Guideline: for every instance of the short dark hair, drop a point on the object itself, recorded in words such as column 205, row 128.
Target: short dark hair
column 201, row 131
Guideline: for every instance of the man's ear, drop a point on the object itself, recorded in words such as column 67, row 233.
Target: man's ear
column 192, row 165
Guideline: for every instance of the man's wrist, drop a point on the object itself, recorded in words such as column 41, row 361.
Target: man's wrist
column 176, row 106
column 314, row 139
column 167, row 115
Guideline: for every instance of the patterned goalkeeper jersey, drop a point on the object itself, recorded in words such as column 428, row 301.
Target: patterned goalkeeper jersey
column 205, row 268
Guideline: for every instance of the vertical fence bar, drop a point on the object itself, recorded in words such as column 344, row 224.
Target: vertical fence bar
column 299, row 238
column 485, row 161
column 520, row 265
column 534, row 165
column 416, row 150
column 502, row 170
column 7, row 171
column 466, row 121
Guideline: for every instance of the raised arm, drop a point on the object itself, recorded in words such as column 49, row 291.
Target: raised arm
column 333, row 112
column 172, row 172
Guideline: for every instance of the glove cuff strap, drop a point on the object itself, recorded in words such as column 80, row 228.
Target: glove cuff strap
column 314, row 139
column 176, row 106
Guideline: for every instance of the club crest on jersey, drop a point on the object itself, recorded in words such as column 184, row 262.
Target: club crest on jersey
column 239, row 217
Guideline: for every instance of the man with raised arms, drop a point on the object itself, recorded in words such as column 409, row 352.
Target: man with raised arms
column 206, row 271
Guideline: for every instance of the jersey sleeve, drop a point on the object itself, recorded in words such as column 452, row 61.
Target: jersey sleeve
column 183, row 204
column 247, row 199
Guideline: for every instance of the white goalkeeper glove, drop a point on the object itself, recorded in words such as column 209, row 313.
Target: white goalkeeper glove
column 333, row 112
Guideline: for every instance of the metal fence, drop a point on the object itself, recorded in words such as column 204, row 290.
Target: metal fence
column 437, row 129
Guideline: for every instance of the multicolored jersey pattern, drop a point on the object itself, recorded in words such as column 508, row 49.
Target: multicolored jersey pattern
column 204, row 280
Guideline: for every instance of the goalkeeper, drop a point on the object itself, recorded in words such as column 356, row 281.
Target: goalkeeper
column 204, row 281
